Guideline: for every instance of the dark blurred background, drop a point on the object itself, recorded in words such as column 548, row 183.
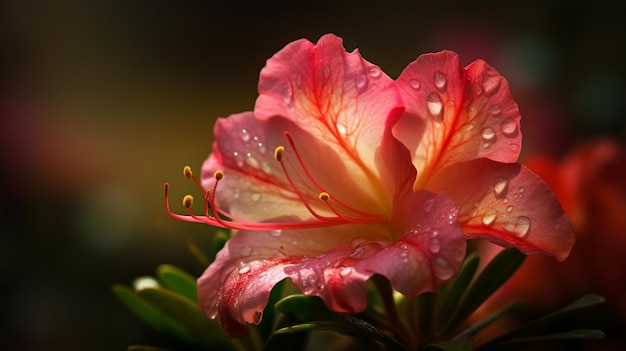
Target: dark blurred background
column 101, row 102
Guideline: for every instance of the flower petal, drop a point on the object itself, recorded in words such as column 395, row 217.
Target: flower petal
column 455, row 114
column 256, row 188
column 431, row 250
column 336, row 96
column 507, row 204
column 333, row 263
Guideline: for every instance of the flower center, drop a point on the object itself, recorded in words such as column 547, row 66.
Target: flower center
column 339, row 212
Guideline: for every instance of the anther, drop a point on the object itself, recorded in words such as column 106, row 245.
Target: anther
column 187, row 172
column 324, row 196
column 218, row 175
column 279, row 152
column 187, row 201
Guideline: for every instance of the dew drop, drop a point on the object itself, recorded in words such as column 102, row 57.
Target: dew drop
column 261, row 147
column 435, row 106
column 521, row 189
column 238, row 159
column 487, row 133
column 245, row 136
column 255, row 197
column 440, row 80
column 434, row 245
column 346, row 271
column 245, row 251
column 443, row 269
column 489, row 136
column 522, row 226
column 415, row 84
column 361, row 83
column 374, row 72
column 509, row 209
column 500, row 186
column 434, row 233
column 495, row 110
column 288, row 95
column 489, row 218
column 276, row 233
column 428, row 205
column 341, row 128
column 508, row 127
column 492, row 82
column 243, row 268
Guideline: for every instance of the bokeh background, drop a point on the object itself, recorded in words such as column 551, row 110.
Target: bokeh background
column 101, row 102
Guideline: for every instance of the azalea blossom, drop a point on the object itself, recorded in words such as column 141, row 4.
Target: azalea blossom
column 341, row 173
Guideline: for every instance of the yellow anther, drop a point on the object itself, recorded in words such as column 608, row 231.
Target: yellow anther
column 187, row 172
column 218, row 175
column 279, row 152
column 188, row 201
column 324, row 196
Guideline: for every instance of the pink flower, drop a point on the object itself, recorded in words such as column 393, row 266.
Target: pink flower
column 341, row 173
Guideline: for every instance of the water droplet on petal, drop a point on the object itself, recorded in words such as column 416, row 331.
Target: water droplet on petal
column 243, row 268
column 245, row 251
column 361, row 83
column 346, row 271
column 521, row 189
column 428, row 205
column 261, row 147
column 276, row 233
column 508, row 127
column 522, row 226
column 492, row 82
column 374, row 72
column 255, row 197
column 509, row 209
column 489, row 136
column 435, row 106
column 245, row 136
column 489, row 218
column 288, row 95
column 434, row 233
column 443, row 269
column 238, row 159
column 434, row 245
column 341, row 128
column 415, row 84
column 495, row 110
column 500, row 186
column 440, row 80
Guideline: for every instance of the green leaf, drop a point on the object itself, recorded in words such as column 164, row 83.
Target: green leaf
column 462, row 344
column 498, row 271
column 178, row 281
column 203, row 331
column 582, row 334
column 306, row 308
column 489, row 319
column 577, row 306
column 320, row 325
column 450, row 294
column 150, row 314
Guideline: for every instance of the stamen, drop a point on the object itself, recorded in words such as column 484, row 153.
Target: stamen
column 188, row 201
column 215, row 216
column 312, row 179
